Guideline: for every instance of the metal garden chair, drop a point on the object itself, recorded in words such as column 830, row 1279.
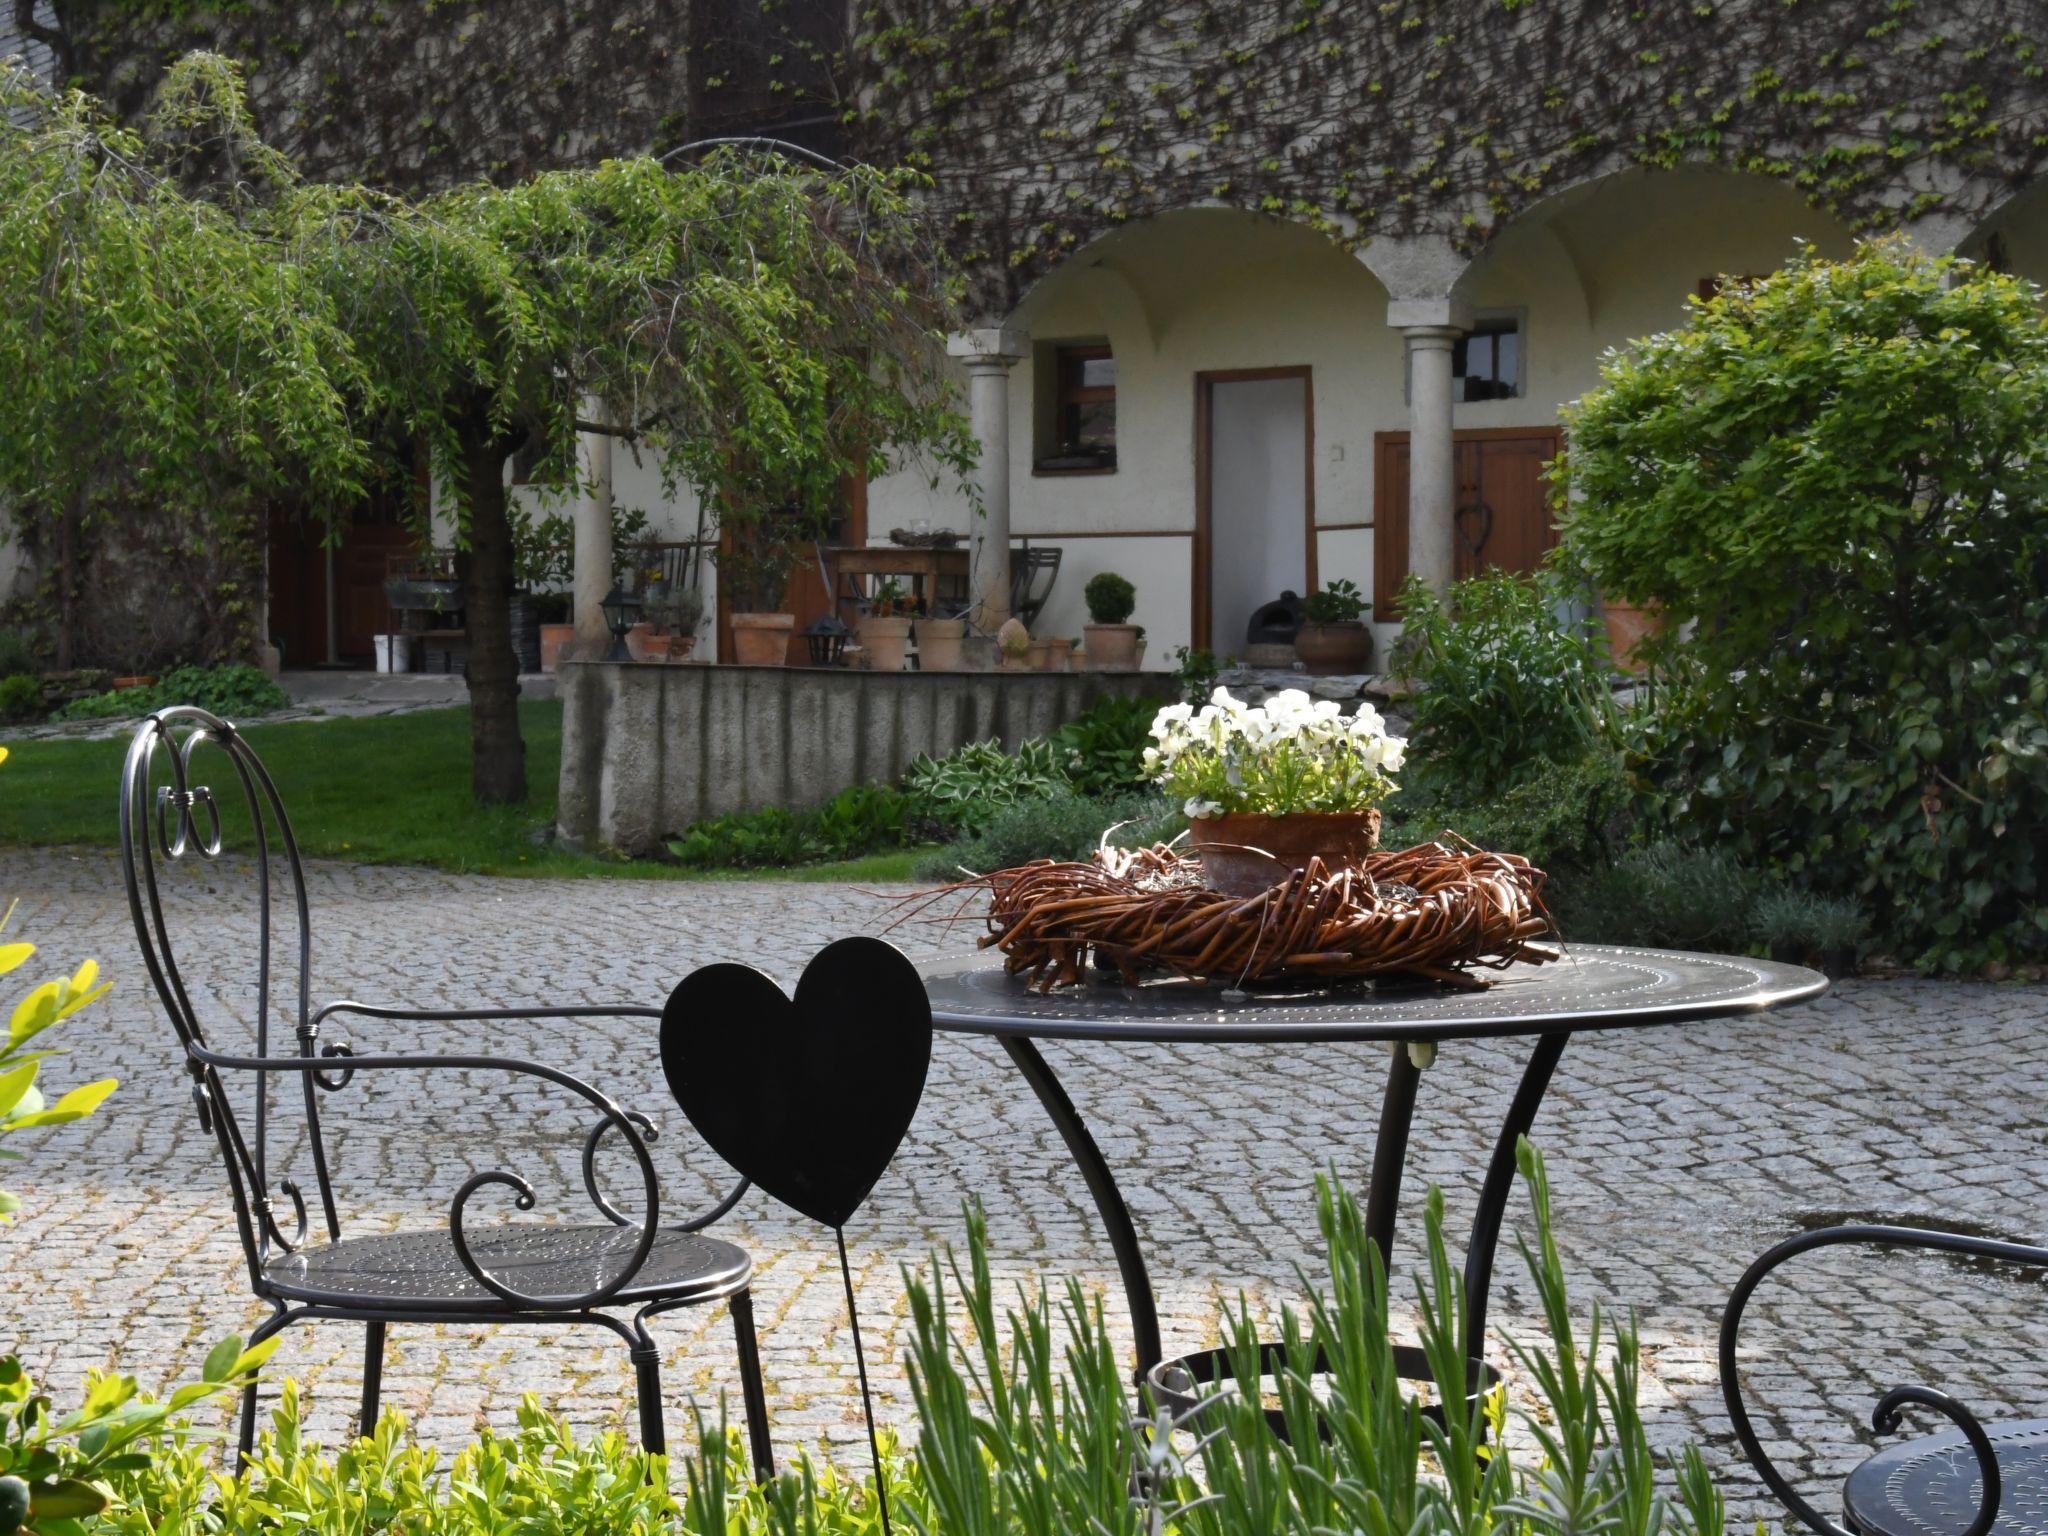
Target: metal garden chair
column 462, row 1272
column 1949, row 1484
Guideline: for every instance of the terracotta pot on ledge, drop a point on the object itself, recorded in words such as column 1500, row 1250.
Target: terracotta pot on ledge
column 1111, row 647
column 762, row 639
column 1334, row 650
column 938, row 644
column 1246, row 853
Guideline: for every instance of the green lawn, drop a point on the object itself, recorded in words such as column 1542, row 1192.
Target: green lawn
column 386, row 790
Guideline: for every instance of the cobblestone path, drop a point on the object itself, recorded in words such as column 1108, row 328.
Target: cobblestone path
column 1676, row 1156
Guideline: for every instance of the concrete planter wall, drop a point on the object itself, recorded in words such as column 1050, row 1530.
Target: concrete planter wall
column 647, row 750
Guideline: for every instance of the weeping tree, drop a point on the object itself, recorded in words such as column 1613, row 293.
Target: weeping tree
column 157, row 351
column 763, row 329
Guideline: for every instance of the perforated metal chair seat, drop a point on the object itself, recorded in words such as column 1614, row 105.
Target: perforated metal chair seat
column 1930, row 1487
column 419, row 1270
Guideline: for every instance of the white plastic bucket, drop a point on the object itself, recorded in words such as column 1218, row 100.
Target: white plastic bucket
column 394, row 652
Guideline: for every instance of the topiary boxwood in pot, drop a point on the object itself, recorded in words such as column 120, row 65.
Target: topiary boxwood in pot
column 1112, row 643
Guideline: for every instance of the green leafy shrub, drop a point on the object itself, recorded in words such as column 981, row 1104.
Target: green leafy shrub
column 21, row 696
column 858, row 820
column 964, row 790
column 1800, row 924
column 1841, row 474
column 17, row 655
column 1667, row 894
column 1505, row 687
column 1337, row 602
column 1196, row 671
column 234, row 692
column 1110, row 598
column 1103, row 752
column 1026, row 1424
column 1064, row 825
column 57, row 1473
column 1564, row 817
column 539, row 1480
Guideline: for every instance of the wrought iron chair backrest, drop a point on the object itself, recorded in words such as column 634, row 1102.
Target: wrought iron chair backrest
column 168, row 815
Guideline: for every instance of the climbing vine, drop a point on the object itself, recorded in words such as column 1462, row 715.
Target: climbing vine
column 1046, row 125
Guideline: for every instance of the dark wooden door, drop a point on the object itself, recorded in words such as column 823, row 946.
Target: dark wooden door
column 377, row 530
column 1504, row 518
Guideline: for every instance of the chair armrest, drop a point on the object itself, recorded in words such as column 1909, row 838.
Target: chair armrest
column 695, row 1223
column 611, row 1117
column 1885, row 1418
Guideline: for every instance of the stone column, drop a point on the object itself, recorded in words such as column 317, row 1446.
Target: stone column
column 987, row 356
column 593, row 572
column 1430, row 328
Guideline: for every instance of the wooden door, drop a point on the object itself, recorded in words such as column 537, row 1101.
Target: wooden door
column 1504, row 519
column 805, row 597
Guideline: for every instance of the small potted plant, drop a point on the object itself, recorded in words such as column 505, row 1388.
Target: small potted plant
column 760, row 550
column 674, row 612
column 1267, row 788
column 884, row 629
column 1333, row 638
column 1112, row 638
column 939, row 642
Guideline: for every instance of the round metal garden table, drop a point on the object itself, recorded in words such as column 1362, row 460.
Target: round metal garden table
column 1591, row 987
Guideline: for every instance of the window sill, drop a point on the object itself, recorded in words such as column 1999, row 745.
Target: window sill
column 1065, row 474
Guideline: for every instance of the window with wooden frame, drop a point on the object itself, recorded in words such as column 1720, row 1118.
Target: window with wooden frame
column 1084, row 408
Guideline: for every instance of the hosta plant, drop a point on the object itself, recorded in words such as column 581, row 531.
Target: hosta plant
column 1289, row 755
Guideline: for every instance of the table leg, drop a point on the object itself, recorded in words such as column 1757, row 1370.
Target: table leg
column 1500, row 1183
column 1109, row 1200
column 1390, row 1151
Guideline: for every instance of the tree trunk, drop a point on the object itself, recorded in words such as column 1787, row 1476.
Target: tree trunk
column 69, row 522
column 497, row 753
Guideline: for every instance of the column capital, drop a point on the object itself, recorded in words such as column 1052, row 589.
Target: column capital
column 1450, row 315
column 989, row 347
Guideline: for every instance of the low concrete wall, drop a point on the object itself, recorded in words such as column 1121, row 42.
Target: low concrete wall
column 647, row 749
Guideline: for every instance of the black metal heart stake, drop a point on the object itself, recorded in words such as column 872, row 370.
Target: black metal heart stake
column 808, row 1098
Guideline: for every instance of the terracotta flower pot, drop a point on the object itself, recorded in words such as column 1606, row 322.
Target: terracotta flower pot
column 762, row 639
column 1059, row 655
column 938, row 644
column 1245, row 853
column 1627, row 628
column 552, row 638
column 146, row 680
column 1334, row 650
column 886, row 640
column 1039, row 657
column 643, row 644
column 1111, row 647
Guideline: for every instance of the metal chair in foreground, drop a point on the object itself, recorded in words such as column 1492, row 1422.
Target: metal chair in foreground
column 465, row 1271
column 1973, row 1480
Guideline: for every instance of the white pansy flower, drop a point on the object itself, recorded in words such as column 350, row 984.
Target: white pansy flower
column 1195, row 809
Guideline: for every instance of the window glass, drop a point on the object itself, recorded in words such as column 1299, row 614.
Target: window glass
column 1486, row 363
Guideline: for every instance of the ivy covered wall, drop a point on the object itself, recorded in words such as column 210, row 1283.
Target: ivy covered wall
column 1045, row 125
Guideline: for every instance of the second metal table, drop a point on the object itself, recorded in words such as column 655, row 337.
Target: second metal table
column 1592, row 987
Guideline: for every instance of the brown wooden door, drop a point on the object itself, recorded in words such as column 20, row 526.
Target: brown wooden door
column 377, row 529
column 1504, row 519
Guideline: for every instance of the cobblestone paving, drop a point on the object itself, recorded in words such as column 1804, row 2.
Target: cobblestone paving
column 1676, row 1156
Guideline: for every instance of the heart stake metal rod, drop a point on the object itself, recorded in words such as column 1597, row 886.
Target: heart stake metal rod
column 867, row 1402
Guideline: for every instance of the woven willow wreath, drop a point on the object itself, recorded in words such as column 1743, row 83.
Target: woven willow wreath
column 1429, row 911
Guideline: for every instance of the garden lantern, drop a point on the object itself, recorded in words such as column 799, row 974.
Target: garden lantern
column 826, row 637
column 621, row 612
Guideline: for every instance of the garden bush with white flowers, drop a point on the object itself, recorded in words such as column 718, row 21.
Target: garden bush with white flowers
column 1291, row 754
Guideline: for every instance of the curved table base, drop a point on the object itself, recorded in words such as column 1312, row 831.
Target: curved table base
column 1390, row 1155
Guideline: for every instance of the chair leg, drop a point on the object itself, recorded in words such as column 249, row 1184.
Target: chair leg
column 647, row 1380
column 373, row 1376
column 245, row 1442
column 753, row 1391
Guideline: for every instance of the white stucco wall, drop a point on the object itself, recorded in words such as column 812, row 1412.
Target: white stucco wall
column 1209, row 289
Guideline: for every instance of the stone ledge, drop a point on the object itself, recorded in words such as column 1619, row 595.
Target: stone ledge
column 646, row 750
